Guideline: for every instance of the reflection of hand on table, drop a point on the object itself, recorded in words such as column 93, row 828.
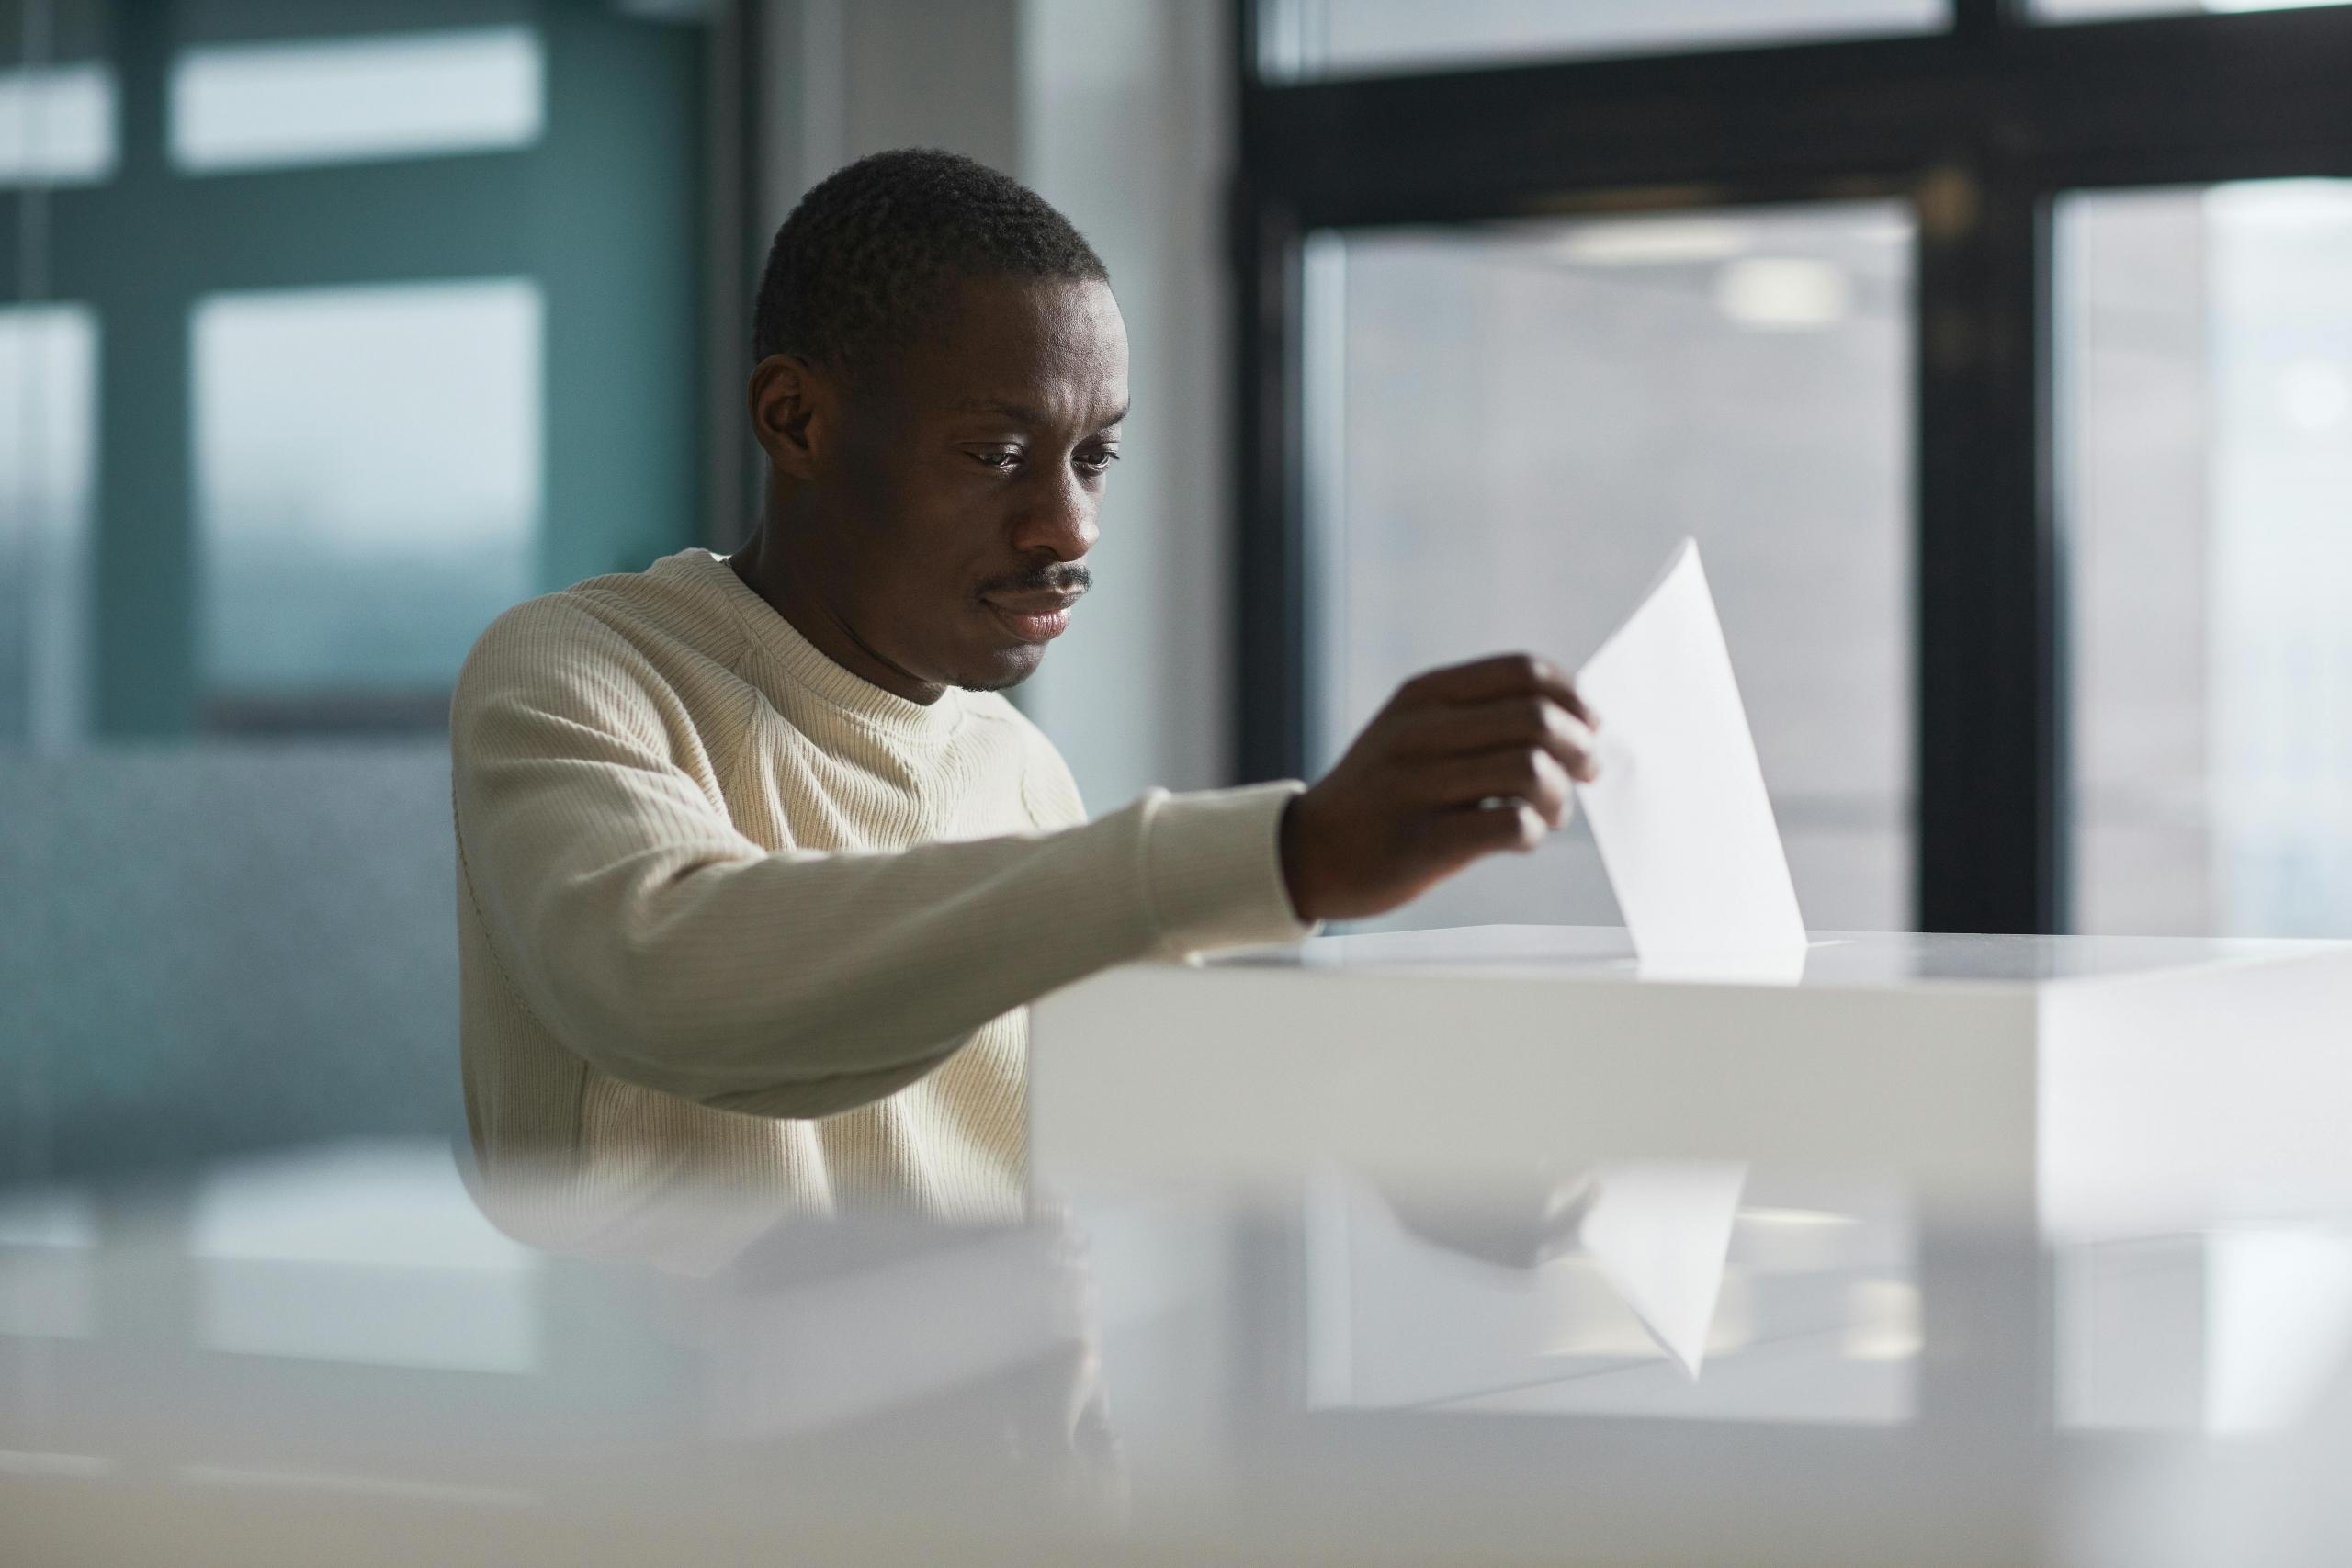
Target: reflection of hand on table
column 1522, row 1225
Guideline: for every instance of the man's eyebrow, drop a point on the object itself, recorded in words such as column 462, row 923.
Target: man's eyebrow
column 1023, row 414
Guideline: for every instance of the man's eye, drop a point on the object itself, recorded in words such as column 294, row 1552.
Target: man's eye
column 999, row 458
column 1098, row 461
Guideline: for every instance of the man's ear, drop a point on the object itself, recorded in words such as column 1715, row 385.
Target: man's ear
column 792, row 412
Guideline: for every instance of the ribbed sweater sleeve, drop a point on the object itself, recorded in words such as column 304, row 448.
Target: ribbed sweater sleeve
column 662, row 945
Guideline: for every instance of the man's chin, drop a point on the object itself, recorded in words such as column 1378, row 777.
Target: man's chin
column 1004, row 671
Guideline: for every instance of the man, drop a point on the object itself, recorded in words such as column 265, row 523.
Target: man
column 757, row 870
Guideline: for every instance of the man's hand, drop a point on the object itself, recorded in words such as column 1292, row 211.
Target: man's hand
column 1463, row 763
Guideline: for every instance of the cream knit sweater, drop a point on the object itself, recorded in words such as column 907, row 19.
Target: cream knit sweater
column 729, row 916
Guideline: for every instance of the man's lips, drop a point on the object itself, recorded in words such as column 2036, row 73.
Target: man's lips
column 1037, row 616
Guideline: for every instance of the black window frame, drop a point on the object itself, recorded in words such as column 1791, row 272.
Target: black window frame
column 1981, row 128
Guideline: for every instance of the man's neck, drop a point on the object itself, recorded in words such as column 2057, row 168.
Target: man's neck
column 764, row 567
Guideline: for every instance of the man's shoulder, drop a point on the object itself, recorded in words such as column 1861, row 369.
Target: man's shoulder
column 609, row 641
column 561, row 632
column 564, row 617
column 636, row 619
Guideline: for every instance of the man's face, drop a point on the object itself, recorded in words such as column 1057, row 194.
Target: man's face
column 965, row 485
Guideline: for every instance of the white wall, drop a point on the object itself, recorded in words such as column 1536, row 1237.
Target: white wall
column 1124, row 127
column 1116, row 111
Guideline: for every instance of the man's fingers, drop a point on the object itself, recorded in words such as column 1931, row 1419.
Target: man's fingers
column 1527, row 720
column 1469, row 831
column 1527, row 773
column 1503, row 675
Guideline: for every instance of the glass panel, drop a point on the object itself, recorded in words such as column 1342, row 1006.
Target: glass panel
column 371, row 1254
column 2206, row 403
column 367, row 481
column 1501, row 1305
column 48, row 1278
column 2100, row 10
column 47, row 415
column 57, row 125
column 1360, row 38
column 1513, row 426
column 2234, row 1331
column 268, row 104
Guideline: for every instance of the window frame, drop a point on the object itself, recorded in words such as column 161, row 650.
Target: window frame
column 1981, row 128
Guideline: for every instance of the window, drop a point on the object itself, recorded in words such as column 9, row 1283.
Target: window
column 2094, row 413
column 2103, row 10
column 2207, row 374
column 1526, row 418
column 277, row 105
column 57, row 125
column 369, row 291
column 48, row 416
column 368, row 482
column 1354, row 38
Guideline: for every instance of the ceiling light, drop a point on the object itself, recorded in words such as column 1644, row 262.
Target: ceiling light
column 1653, row 242
column 1781, row 293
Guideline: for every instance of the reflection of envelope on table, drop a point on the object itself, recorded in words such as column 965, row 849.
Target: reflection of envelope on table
column 1658, row 1234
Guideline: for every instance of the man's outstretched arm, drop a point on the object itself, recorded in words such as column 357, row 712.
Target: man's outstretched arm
column 662, row 945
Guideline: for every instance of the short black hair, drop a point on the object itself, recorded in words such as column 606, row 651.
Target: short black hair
column 866, row 261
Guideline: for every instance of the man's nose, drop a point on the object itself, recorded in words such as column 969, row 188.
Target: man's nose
column 1060, row 524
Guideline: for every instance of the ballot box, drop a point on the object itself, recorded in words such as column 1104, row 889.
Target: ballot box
column 2106, row 1086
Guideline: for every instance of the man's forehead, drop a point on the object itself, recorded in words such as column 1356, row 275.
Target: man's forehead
column 1033, row 326
column 1014, row 406
column 1040, row 351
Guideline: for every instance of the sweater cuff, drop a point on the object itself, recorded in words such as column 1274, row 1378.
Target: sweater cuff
column 1212, row 863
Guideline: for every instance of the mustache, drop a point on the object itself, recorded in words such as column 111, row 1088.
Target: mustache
column 1060, row 577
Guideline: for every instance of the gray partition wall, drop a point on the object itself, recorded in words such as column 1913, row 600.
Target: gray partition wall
column 212, row 949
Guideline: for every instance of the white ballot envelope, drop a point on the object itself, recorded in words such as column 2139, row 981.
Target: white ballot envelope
column 1680, row 813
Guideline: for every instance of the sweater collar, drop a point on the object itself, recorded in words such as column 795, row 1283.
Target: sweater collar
column 812, row 669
